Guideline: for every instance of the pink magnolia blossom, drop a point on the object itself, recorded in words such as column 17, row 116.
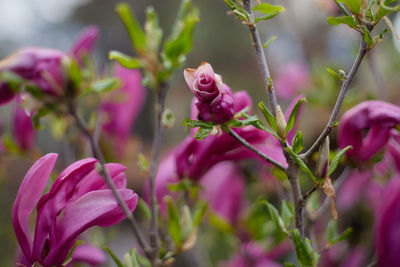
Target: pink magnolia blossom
column 376, row 117
column 387, row 228
column 78, row 200
column 123, row 107
column 224, row 189
column 290, row 79
column 214, row 98
column 85, row 43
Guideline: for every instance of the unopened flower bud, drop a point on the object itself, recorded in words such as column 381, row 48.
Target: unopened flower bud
column 323, row 159
column 214, row 98
column 280, row 122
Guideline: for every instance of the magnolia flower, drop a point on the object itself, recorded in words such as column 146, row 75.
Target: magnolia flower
column 214, row 98
column 224, row 189
column 387, row 228
column 78, row 200
column 85, row 43
column 123, row 107
column 291, row 79
column 376, row 117
column 41, row 66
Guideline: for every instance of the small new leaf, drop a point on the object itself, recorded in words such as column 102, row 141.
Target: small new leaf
column 298, row 142
column 135, row 32
column 274, row 215
column 293, row 115
column 268, row 10
column 306, row 256
column 168, row 119
column 301, row 164
column 174, row 227
column 104, row 85
column 334, row 74
column 348, row 20
column 268, row 115
column 335, row 162
column 269, row 41
column 125, row 60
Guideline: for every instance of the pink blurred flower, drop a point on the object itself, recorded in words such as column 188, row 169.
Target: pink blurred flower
column 123, row 107
column 22, row 126
column 214, row 98
column 224, row 189
column 376, row 117
column 78, row 200
column 291, row 79
column 387, row 228
column 84, row 45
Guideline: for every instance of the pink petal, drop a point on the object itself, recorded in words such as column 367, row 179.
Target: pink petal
column 85, row 43
column 23, row 130
column 94, row 208
column 28, row 195
column 88, row 254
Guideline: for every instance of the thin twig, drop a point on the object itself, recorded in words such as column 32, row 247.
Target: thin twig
column 98, row 154
column 252, row 148
column 345, row 86
column 262, row 61
column 157, row 140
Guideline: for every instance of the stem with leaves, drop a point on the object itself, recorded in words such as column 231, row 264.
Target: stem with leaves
column 345, row 87
column 252, row 148
column 98, row 154
column 157, row 140
column 262, row 61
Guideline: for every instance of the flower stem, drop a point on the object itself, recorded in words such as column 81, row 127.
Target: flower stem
column 98, row 154
column 262, row 61
column 157, row 140
column 252, row 148
column 343, row 90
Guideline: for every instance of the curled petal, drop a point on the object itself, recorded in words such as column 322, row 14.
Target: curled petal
column 85, row 43
column 28, row 195
column 23, row 129
column 94, row 208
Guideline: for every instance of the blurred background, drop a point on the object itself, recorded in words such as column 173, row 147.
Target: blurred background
column 304, row 47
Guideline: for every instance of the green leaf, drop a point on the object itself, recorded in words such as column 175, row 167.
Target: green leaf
column 135, row 32
column 367, row 36
column 268, row 115
column 306, row 257
column 269, row 41
column 113, row 256
column 287, row 213
column 301, row 164
column 334, row 74
column 202, row 133
column 274, row 216
column 220, row 223
column 298, row 142
column 193, row 123
column 343, row 8
column 180, row 42
column 348, row 20
column 199, row 211
column 182, row 186
column 353, row 5
column 335, row 162
column 240, row 12
column 269, row 10
column 128, row 261
column 125, row 60
column 144, row 208
column 143, row 162
column 104, row 85
column 332, row 234
column 152, row 30
column 174, row 227
column 186, row 222
column 288, row 264
column 139, row 259
column 293, row 115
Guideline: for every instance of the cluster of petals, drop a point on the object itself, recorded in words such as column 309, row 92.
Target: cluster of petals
column 78, row 199
column 214, row 98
